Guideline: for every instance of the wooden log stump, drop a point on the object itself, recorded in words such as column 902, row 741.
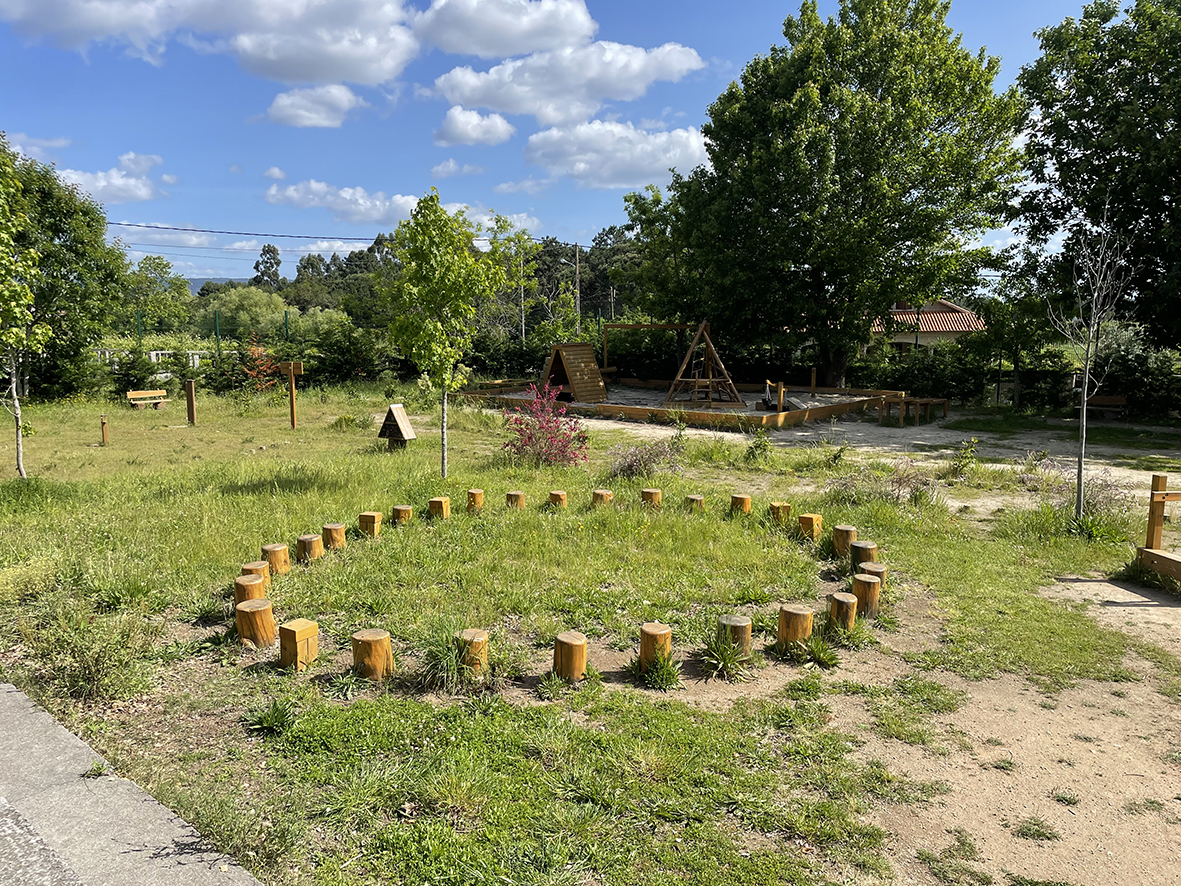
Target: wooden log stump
column 475, row 500
column 515, row 500
column 570, row 656
column 557, row 498
column 277, row 559
column 259, row 567
column 811, row 526
column 602, row 497
column 861, row 552
column 878, row 571
column 795, row 623
column 739, row 504
column 695, row 502
column 842, row 538
column 370, row 523
column 373, row 657
column 402, row 514
column 299, row 643
column 473, row 649
column 651, row 497
column 654, row 637
column 333, row 536
column 249, row 587
column 780, row 512
column 866, row 589
column 737, row 629
column 256, row 623
column 440, row 507
column 842, row 610
column 309, row 548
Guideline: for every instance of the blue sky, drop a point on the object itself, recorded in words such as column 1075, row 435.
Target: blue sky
column 330, row 117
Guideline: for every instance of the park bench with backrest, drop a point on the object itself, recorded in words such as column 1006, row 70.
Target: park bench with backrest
column 1107, row 405
column 140, row 399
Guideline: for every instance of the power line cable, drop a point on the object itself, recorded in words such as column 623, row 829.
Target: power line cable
column 241, row 233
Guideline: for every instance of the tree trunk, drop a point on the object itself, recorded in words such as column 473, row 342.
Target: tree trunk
column 1082, row 434
column 1016, row 378
column 444, row 432
column 833, row 363
column 16, row 413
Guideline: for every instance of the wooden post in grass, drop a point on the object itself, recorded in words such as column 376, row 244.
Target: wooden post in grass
column 309, row 548
column 866, row 589
column 299, row 643
column 570, row 656
column 651, row 497
column 333, row 536
column 813, row 379
column 780, row 512
column 191, row 400
column 473, row 649
column 256, row 623
column 739, row 504
column 402, row 514
column 602, row 497
column 861, row 552
column 475, row 500
column 1156, row 513
column 291, row 370
column 249, row 587
column 277, row 558
column 811, row 526
column 370, row 523
column 736, row 629
column 373, row 657
column 842, row 538
column 695, row 502
column 654, row 637
column 878, row 571
column 842, row 610
column 557, row 498
column 440, row 507
column 259, row 567
column 795, row 623
column 779, row 396
column 105, row 435
column 515, row 500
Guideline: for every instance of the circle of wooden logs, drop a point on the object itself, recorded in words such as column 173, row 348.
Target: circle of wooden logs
column 333, row 536
column 651, row 497
column 473, row 649
column 249, row 587
column 811, row 526
column 299, row 643
column 402, row 514
column 557, row 498
column 259, row 567
column 866, row 589
column 695, row 502
column 515, row 500
column 842, row 610
column 842, row 538
column 739, row 504
column 373, row 657
column 737, row 630
column 440, row 507
column 256, row 623
column 878, row 571
column 654, row 636
column 475, row 500
column 308, row 548
column 780, row 512
column 795, row 623
column 602, row 497
column 277, row 558
column 570, row 656
column 370, row 523
column 861, row 552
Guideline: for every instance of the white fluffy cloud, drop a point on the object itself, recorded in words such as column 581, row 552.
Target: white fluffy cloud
column 451, row 166
column 320, row 106
column 354, row 205
column 497, row 28
column 276, row 173
column 568, row 85
column 464, row 127
column 600, row 154
column 526, row 186
column 37, row 148
column 128, row 182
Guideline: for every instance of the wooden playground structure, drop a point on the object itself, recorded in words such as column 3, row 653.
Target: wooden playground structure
column 1151, row 556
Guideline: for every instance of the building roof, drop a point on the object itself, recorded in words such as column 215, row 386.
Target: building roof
column 938, row 316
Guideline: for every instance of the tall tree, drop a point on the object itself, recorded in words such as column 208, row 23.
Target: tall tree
column 437, row 281
column 161, row 297
column 849, row 169
column 1104, row 146
column 266, row 269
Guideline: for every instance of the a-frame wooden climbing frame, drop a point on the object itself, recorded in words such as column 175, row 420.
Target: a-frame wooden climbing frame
column 572, row 367
column 702, row 381
column 1151, row 556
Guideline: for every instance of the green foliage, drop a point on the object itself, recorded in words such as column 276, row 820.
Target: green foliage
column 274, row 718
column 663, row 674
column 442, row 668
column 759, row 449
column 721, row 657
column 551, row 686
column 18, row 265
column 161, row 297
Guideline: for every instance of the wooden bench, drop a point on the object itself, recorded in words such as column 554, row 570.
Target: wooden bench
column 1107, row 404
column 1151, row 556
column 140, row 399
column 886, row 405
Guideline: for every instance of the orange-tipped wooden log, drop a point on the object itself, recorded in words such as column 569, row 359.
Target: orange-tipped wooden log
column 739, row 504
column 570, row 656
column 811, row 526
column 259, row 567
column 249, row 587
column 373, row 657
column 277, row 559
column 795, row 623
column 842, row 537
column 602, row 497
column 695, row 502
column 651, row 497
column 878, row 571
column 440, row 507
column 473, row 649
column 333, row 536
column 557, row 499
column 370, row 523
column 780, row 512
column 515, row 500
column 256, row 623
column 736, row 629
column 299, row 643
column 842, row 610
column 402, row 514
column 866, row 589
column 862, row 552
column 309, row 548
column 475, row 500
column 654, row 637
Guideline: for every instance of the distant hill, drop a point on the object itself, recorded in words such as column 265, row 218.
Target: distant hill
column 195, row 283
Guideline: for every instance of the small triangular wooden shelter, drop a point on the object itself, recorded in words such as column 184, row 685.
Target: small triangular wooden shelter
column 703, row 380
column 572, row 367
column 396, row 427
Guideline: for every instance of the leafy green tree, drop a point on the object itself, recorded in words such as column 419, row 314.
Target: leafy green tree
column 849, row 169
column 266, row 269
column 162, row 298
column 242, row 311
column 437, row 283
column 1104, row 146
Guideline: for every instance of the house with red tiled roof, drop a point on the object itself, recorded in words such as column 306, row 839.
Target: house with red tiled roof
column 935, row 321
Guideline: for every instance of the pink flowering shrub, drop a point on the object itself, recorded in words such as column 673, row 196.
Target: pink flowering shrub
column 541, row 432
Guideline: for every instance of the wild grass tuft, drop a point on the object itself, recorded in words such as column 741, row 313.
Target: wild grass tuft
column 271, row 719
column 663, row 674
column 722, row 658
column 1035, row 828
column 950, row 865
